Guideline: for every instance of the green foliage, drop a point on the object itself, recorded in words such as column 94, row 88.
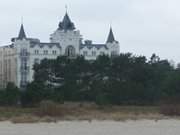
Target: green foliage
column 35, row 93
column 123, row 80
column 10, row 96
column 171, row 85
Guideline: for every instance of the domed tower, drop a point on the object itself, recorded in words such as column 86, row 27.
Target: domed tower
column 68, row 37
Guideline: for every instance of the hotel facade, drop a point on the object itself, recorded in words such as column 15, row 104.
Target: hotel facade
column 18, row 58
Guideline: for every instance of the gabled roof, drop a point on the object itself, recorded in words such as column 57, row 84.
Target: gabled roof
column 22, row 34
column 66, row 24
column 41, row 45
column 90, row 46
column 111, row 38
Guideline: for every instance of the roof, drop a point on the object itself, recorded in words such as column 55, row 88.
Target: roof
column 7, row 46
column 41, row 45
column 22, row 33
column 90, row 46
column 111, row 38
column 66, row 24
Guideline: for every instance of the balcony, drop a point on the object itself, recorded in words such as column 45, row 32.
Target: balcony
column 23, row 84
column 24, row 54
column 24, row 70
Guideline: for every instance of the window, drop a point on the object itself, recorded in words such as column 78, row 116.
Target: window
column 23, row 80
column 24, row 52
column 54, row 52
column 70, row 51
column 101, row 53
column 45, row 51
column 36, row 61
column 93, row 53
column 0, row 66
column 113, row 53
column 85, row 53
column 24, row 64
column 36, row 51
column 24, row 71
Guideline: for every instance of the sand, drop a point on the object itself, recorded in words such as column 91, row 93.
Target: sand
column 140, row 127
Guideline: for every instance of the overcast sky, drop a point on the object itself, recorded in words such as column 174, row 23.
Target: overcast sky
column 142, row 27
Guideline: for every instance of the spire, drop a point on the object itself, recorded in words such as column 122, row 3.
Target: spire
column 111, row 38
column 66, row 8
column 66, row 24
column 22, row 33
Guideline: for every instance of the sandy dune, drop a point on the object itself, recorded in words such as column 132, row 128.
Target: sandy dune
column 144, row 127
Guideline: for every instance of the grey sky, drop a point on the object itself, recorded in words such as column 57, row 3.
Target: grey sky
column 143, row 27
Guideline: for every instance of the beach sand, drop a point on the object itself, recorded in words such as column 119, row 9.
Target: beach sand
column 139, row 127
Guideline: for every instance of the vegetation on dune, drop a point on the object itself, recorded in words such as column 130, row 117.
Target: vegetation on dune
column 122, row 80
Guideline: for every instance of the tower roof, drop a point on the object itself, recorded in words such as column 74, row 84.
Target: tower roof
column 111, row 38
column 66, row 24
column 22, row 33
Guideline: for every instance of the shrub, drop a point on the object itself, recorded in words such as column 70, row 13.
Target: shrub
column 170, row 106
column 49, row 108
column 170, row 109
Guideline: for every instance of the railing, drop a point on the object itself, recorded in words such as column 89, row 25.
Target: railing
column 24, row 54
column 23, row 84
column 24, row 70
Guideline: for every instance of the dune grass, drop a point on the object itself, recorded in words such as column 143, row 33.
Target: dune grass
column 54, row 112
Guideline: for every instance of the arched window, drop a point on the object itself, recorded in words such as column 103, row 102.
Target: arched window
column 70, row 51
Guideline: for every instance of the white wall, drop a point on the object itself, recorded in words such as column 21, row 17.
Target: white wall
column 68, row 38
column 7, row 66
column 42, row 56
column 89, row 56
column 64, row 38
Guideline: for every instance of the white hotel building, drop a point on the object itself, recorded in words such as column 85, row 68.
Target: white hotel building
column 18, row 58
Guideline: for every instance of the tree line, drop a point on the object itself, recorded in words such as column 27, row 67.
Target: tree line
column 121, row 80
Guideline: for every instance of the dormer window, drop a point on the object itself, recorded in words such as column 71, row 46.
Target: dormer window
column 93, row 53
column 45, row 52
column 36, row 51
column 54, row 52
column 85, row 53
column 101, row 53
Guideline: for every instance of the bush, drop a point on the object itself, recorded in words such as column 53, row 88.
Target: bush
column 170, row 109
column 170, row 106
column 10, row 96
column 49, row 108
